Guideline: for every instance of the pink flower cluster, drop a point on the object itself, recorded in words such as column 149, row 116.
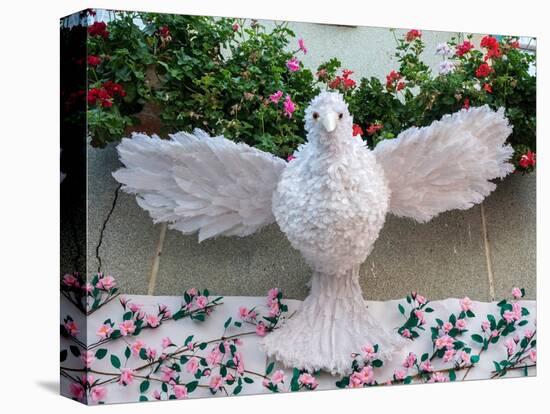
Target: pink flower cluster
column 360, row 378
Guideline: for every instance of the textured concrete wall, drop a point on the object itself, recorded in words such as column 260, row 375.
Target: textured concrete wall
column 481, row 252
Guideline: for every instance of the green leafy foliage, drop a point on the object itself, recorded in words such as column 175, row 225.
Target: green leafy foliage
column 217, row 74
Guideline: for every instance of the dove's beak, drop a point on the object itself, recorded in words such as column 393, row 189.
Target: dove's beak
column 329, row 121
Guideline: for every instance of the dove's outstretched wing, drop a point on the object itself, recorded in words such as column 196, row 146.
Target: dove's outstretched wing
column 446, row 165
column 200, row 183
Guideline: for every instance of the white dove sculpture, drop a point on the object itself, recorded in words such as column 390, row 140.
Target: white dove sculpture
column 331, row 202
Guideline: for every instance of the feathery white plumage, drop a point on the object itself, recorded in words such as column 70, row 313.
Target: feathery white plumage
column 331, row 202
column 199, row 183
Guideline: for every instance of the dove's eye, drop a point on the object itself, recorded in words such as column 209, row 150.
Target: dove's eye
column 315, row 115
column 340, row 116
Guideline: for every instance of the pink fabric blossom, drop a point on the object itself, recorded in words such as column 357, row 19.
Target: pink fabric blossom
column 420, row 315
column 72, row 328
column 167, row 374
column 192, row 365
column 151, row 353
column 274, row 309
column 410, row 361
column 87, row 357
column 272, row 294
column 180, row 391
column 214, row 357
column 447, row 326
column 400, row 374
column 70, row 280
column 152, row 320
column 201, row 301
column 466, row 304
column 420, row 299
column 134, row 307
column 465, row 357
column 192, row 291
column 426, row 366
column 261, row 329
column 356, row 380
column 529, row 333
column 485, row 325
column 438, row 377
column 77, row 391
column 106, row 283
column 533, row 355
column 302, row 46
column 136, row 347
column 274, row 98
column 368, row 374
column 461, row 324
column 308, row 380
column 293, row 64
column 156, row 395
column 239, row 362
column 126, row 376
column 98, row 393
column 516, row 293
column 288, row 107
column 368, row 352
column 448, row 356
column 278, row 377
column 104, row 331
column 216, row 382
column 127, row 327
column 444, row 341
column 406, row 333
column 510, row 345
column 166, row 342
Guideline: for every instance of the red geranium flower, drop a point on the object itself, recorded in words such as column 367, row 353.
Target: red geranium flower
column 392, row 81
column 100, row 96
column 343, row 81
column 357, row 130
column 333, row 84
column 98, row 29
column 114, row 88
column 493, row 48
column 413, row 34
column 529, row 159
column 483, row 70
column 464, row 48
column 488, row 88
column 94, row 60
column 466, row 104
column 374, row 128
column 514, row 44
column 164, row 31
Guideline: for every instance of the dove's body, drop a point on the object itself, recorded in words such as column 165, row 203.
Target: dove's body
column 331, row 202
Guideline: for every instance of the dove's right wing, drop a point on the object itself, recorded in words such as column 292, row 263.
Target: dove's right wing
column 200, row 183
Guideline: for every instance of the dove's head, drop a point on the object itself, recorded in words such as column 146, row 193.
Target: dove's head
column 328, row 118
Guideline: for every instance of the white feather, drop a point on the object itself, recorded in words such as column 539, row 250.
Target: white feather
column 199, row 183
column 447, row 165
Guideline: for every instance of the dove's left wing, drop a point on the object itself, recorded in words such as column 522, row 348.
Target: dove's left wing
column 446, row 165
column 200, row 183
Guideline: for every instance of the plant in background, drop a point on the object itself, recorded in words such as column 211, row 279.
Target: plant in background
column 236, row 78
column 497, row 74
column 219, row 75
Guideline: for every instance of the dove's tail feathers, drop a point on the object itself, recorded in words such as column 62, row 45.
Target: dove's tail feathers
column 200, row 183
column 447, row 165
